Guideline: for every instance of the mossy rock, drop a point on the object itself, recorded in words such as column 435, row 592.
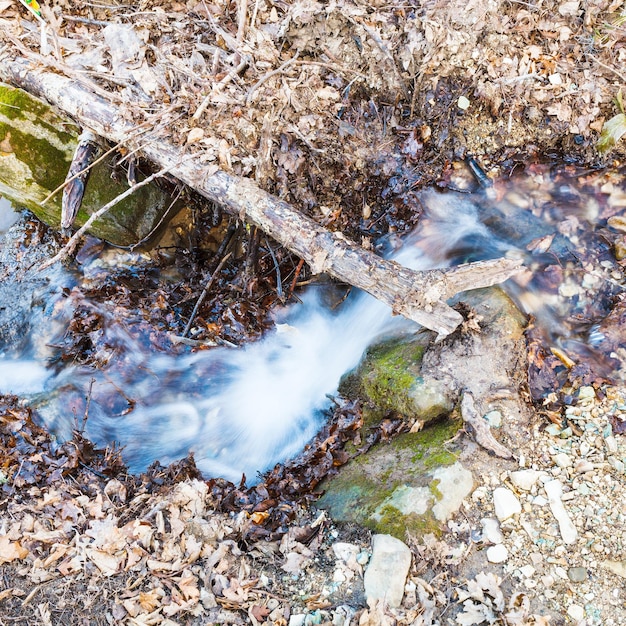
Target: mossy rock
column 389, row 378
column 412, row 484
column 36, row 150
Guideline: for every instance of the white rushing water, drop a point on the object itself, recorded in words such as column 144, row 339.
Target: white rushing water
column 242, row 410
column 238, row 410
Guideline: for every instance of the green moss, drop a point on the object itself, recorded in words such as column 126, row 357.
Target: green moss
column 440, row 458
column 47, row 164
column 434, row 489
column 393, row 522
column 372, row 487
column 389, row 373
column 36, row 150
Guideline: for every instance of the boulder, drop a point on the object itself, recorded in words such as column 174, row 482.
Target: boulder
column 36, row 149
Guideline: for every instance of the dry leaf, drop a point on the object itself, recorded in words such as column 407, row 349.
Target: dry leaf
column 195, row 135
column 108, row 564
column 11, row 550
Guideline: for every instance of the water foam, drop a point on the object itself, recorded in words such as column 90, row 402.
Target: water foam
column 238, row 410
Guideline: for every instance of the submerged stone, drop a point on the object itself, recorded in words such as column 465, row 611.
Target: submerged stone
column 36, row 149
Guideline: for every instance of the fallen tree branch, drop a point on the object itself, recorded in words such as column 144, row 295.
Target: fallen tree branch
column 419, row 296
column 70, row 246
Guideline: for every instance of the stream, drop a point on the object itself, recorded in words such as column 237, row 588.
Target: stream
column 242, row 410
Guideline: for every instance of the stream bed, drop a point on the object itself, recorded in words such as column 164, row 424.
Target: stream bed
column 241, row 410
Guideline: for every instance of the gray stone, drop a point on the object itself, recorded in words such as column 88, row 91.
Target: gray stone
column 386, row 573
column 577, row 574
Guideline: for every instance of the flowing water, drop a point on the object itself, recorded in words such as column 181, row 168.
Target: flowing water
column 241, row 410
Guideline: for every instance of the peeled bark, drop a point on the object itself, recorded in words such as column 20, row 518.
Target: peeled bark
column 419, row 296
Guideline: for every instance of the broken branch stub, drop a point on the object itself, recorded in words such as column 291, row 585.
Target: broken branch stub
column 419, row 296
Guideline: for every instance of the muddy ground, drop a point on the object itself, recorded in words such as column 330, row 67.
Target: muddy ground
column 342, row 109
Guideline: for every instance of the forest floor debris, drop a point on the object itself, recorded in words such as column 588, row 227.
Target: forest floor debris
column 303, row 97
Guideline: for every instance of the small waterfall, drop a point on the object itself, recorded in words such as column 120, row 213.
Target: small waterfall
column 241, row 410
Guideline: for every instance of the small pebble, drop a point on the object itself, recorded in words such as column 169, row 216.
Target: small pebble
column 576, row 612
column 525, row 479
column 583, row 466
column 463, row 103
column 563, row 460
column 527, row 570
column 494, row 419
column 611, row 444
column 497, row 554
column 553, row 429
column 491, row 531
column 506, row 503
column 577, row 574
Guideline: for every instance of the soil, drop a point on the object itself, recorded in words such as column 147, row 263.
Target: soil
column 343, row 109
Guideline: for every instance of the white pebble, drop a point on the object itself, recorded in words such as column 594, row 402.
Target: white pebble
column 583, row 466
column 506, row 503
column 576, row 612
column 554, row 490
column 611, row 444
column 491, row 530
column 497, row 554
column 525, row 479
column 563, row 460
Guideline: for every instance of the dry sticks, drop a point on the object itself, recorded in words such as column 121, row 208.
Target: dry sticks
column 419, row 296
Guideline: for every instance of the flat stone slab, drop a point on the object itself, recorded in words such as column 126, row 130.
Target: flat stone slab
column 388, row 568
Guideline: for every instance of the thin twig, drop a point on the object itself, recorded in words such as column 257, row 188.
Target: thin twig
column 69, row 180
column 269, row 75
column 292, row 287
column 606, row 67
column 241, row 26
column 245, row 62
column 204, row 293
column 87, row 404
column 69, row 247
column 279, row 282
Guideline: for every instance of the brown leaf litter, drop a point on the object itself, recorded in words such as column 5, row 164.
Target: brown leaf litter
column 343, row 109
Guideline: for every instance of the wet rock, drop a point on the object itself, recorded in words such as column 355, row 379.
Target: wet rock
column 505, row 503
column 412, row 483
column 394, row 487
column 386, row 573
column 421, row 380
column 37, row 149
column 389, row 377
